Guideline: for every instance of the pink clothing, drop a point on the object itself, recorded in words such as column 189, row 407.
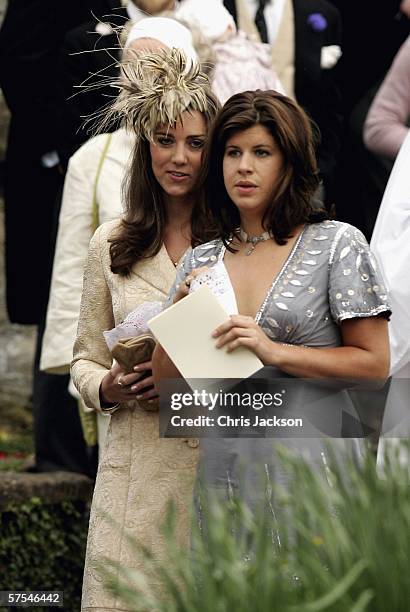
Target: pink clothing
column 241, row 65
column 386, row 123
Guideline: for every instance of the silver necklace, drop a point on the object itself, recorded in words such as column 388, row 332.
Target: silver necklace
column 253, row 240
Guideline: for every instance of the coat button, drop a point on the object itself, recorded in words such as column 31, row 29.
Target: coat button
column 192, row 442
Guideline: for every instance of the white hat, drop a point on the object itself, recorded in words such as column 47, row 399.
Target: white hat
column 168, row 31
column 209, row 15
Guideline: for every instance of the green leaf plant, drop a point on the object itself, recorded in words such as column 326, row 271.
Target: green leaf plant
column 339, row 544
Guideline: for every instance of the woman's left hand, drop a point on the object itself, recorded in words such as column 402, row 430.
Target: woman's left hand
column 244, row 331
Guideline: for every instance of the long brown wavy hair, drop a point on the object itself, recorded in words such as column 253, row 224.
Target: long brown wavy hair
column 142, row 229
column 156, row 88
column 295, row 135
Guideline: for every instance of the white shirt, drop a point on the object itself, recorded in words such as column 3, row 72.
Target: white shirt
column 273, row 15
column 391, row 245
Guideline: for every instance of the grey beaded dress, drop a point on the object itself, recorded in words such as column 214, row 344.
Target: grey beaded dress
column 329, row 276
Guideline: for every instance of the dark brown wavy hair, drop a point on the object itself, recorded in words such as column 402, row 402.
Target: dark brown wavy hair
column 295, row 135
column 142, row 229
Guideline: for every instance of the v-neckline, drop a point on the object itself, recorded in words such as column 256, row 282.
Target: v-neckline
column 275, row 280
column 171, row 261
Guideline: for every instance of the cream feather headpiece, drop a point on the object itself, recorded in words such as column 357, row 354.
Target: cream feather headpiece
column 155, row 89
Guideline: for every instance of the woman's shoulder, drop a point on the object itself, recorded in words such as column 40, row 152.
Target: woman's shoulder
column 106, row 231
column 332, row 233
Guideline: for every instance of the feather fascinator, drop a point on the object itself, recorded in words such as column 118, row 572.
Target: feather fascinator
column 155, row 89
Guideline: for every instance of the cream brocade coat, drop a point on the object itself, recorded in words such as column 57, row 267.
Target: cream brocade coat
column 139, row 472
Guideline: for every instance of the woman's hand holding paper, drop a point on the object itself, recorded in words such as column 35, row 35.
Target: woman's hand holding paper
column 242, row 330
column 183, row 289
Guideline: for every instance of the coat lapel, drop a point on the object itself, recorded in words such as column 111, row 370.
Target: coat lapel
column 159, row 272
column 283, row 50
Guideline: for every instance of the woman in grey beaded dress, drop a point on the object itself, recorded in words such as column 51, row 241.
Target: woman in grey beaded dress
column 311, row 303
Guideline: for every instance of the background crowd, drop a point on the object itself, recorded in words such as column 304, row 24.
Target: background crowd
column 346, row 63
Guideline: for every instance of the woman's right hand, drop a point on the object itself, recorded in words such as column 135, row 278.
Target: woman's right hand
column 118, row 387
column 183, row 289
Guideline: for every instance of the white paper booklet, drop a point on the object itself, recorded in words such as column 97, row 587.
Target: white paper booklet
column 185, row 331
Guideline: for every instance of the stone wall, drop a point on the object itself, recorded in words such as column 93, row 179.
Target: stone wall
column 52, row 487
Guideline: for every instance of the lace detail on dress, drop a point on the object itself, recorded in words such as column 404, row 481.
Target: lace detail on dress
column 134, row 324
column 217, row 279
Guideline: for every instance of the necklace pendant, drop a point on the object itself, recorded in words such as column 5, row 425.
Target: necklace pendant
column 251, row 249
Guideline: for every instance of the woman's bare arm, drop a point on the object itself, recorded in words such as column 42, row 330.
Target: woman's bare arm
column 364, row 354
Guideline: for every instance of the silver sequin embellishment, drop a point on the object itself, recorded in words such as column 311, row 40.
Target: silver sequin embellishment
column 314, row 252
column 302, row 272
column 347, row 271
column 309, row 313
column 281, row 305
column 358, row 261
column 350, row 292
column 296, row 283
column 344, row 252
column 375, row 288
column 364, row 277
column 272, row 322
column 309, row 262
column 213, row 258
column 288, row 294
column 311, row 289
column 321, row 237
column 338, row 296
column 288, row 328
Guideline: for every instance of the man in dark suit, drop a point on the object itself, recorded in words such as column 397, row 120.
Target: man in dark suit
column 373, row 32
column 314, row 36
column 30, row 39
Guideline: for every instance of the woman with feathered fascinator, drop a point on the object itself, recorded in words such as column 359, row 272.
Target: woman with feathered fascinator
column 166, row 100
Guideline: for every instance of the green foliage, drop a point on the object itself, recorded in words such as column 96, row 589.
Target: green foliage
column 339, row 548
column 42, row 547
